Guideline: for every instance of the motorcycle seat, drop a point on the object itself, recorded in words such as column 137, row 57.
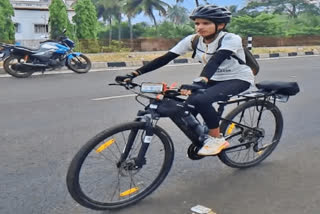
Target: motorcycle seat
column 27, row 49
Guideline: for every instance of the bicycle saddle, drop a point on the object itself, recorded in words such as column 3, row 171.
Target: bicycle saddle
column 286, row 88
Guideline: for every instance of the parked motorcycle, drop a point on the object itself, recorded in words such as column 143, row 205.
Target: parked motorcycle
column 51, row 55
column 4, row 51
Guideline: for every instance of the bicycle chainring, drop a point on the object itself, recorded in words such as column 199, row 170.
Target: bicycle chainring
column 193, row 153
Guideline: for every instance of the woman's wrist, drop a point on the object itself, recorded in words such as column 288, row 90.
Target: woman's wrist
column 205, row 79
column 135, row 73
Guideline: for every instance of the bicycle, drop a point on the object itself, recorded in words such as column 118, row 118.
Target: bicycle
column 137, row 156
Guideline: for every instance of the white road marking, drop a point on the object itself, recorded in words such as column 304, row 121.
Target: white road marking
column 113, row 97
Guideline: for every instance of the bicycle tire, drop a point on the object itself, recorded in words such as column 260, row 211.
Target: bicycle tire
column 74, row 183
column 245, row 109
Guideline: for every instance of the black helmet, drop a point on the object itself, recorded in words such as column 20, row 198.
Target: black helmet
column 213, row 13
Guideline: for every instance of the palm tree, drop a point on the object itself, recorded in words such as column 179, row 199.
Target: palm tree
column 107, row 10
column 148, row 6
column 196, row 1
column 131, row 8
column 177, row 14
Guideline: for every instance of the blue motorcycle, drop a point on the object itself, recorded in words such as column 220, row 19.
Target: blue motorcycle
column 51, row 55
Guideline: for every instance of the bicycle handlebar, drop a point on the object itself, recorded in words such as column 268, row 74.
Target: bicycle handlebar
column 170, row 92
column 128, row 85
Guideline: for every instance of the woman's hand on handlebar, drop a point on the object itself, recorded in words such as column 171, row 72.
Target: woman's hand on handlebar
column 185, row 92
column 127, row 78
column 198, row 83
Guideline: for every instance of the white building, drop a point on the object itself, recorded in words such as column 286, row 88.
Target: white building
column 31, row 20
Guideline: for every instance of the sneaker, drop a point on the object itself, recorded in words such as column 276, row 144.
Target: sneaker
column 213, row 146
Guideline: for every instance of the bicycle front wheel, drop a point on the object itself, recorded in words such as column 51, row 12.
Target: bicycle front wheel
column 256, row 135
column 95, row 178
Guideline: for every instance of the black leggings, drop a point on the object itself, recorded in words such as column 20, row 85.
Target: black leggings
column 216, row 91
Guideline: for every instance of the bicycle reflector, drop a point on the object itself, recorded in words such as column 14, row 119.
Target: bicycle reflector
column 148, row 87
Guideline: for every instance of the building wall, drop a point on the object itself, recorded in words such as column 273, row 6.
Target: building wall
column 26, row 20
column 27, row 13
column 258, row 41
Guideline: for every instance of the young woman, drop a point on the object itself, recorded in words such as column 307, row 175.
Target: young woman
column 222, row 75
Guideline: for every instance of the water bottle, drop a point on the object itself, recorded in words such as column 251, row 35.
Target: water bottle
column 193, row 123
column 190, row 120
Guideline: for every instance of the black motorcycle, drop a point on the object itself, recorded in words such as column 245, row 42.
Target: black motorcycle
column 51, row 55
column 4, row 51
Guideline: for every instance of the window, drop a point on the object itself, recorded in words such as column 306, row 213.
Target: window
column 17, row 27
column 41, row 28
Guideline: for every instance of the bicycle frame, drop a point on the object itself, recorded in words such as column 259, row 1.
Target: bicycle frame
column 149, row 115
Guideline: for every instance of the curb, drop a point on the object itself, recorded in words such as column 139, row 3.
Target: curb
column 106, row 65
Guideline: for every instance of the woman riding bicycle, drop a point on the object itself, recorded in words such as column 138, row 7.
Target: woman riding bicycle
column 222, row 75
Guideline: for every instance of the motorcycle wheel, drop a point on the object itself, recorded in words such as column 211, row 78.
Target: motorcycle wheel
column 8, row 66
column 79, row 64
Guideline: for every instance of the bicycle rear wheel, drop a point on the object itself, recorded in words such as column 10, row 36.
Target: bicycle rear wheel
column 95, row 180
column 258, row 143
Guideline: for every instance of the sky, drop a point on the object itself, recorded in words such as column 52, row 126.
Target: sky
column 190, row 5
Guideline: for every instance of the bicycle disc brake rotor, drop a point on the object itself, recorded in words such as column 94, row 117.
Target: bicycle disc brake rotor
column 128, row 168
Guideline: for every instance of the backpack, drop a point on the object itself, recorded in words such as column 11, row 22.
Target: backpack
column 250, row 59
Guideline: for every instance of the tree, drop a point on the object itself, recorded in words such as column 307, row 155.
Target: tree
column 131, row 8
column 290, row 7
column 233, row 9
column 177, row 14
column 107, row 10
column 58, row 19
column 196, row 1
column 7, row 29
column 263, row 24
column 172, row 31
column 85, row 20
column 305, row 24
column 148, row 6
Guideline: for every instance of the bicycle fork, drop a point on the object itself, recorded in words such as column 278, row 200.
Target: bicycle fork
column 140, row 160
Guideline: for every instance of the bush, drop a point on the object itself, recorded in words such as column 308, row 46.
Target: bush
column 88, row 46
column 115, row 46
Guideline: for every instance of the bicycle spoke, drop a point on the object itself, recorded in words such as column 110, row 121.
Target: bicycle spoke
column 116, row 187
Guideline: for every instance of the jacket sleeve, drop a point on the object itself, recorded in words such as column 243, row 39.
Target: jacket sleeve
column 214, row 63
column 157, row 63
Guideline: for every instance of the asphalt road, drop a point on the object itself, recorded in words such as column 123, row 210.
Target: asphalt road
column 45, row 119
